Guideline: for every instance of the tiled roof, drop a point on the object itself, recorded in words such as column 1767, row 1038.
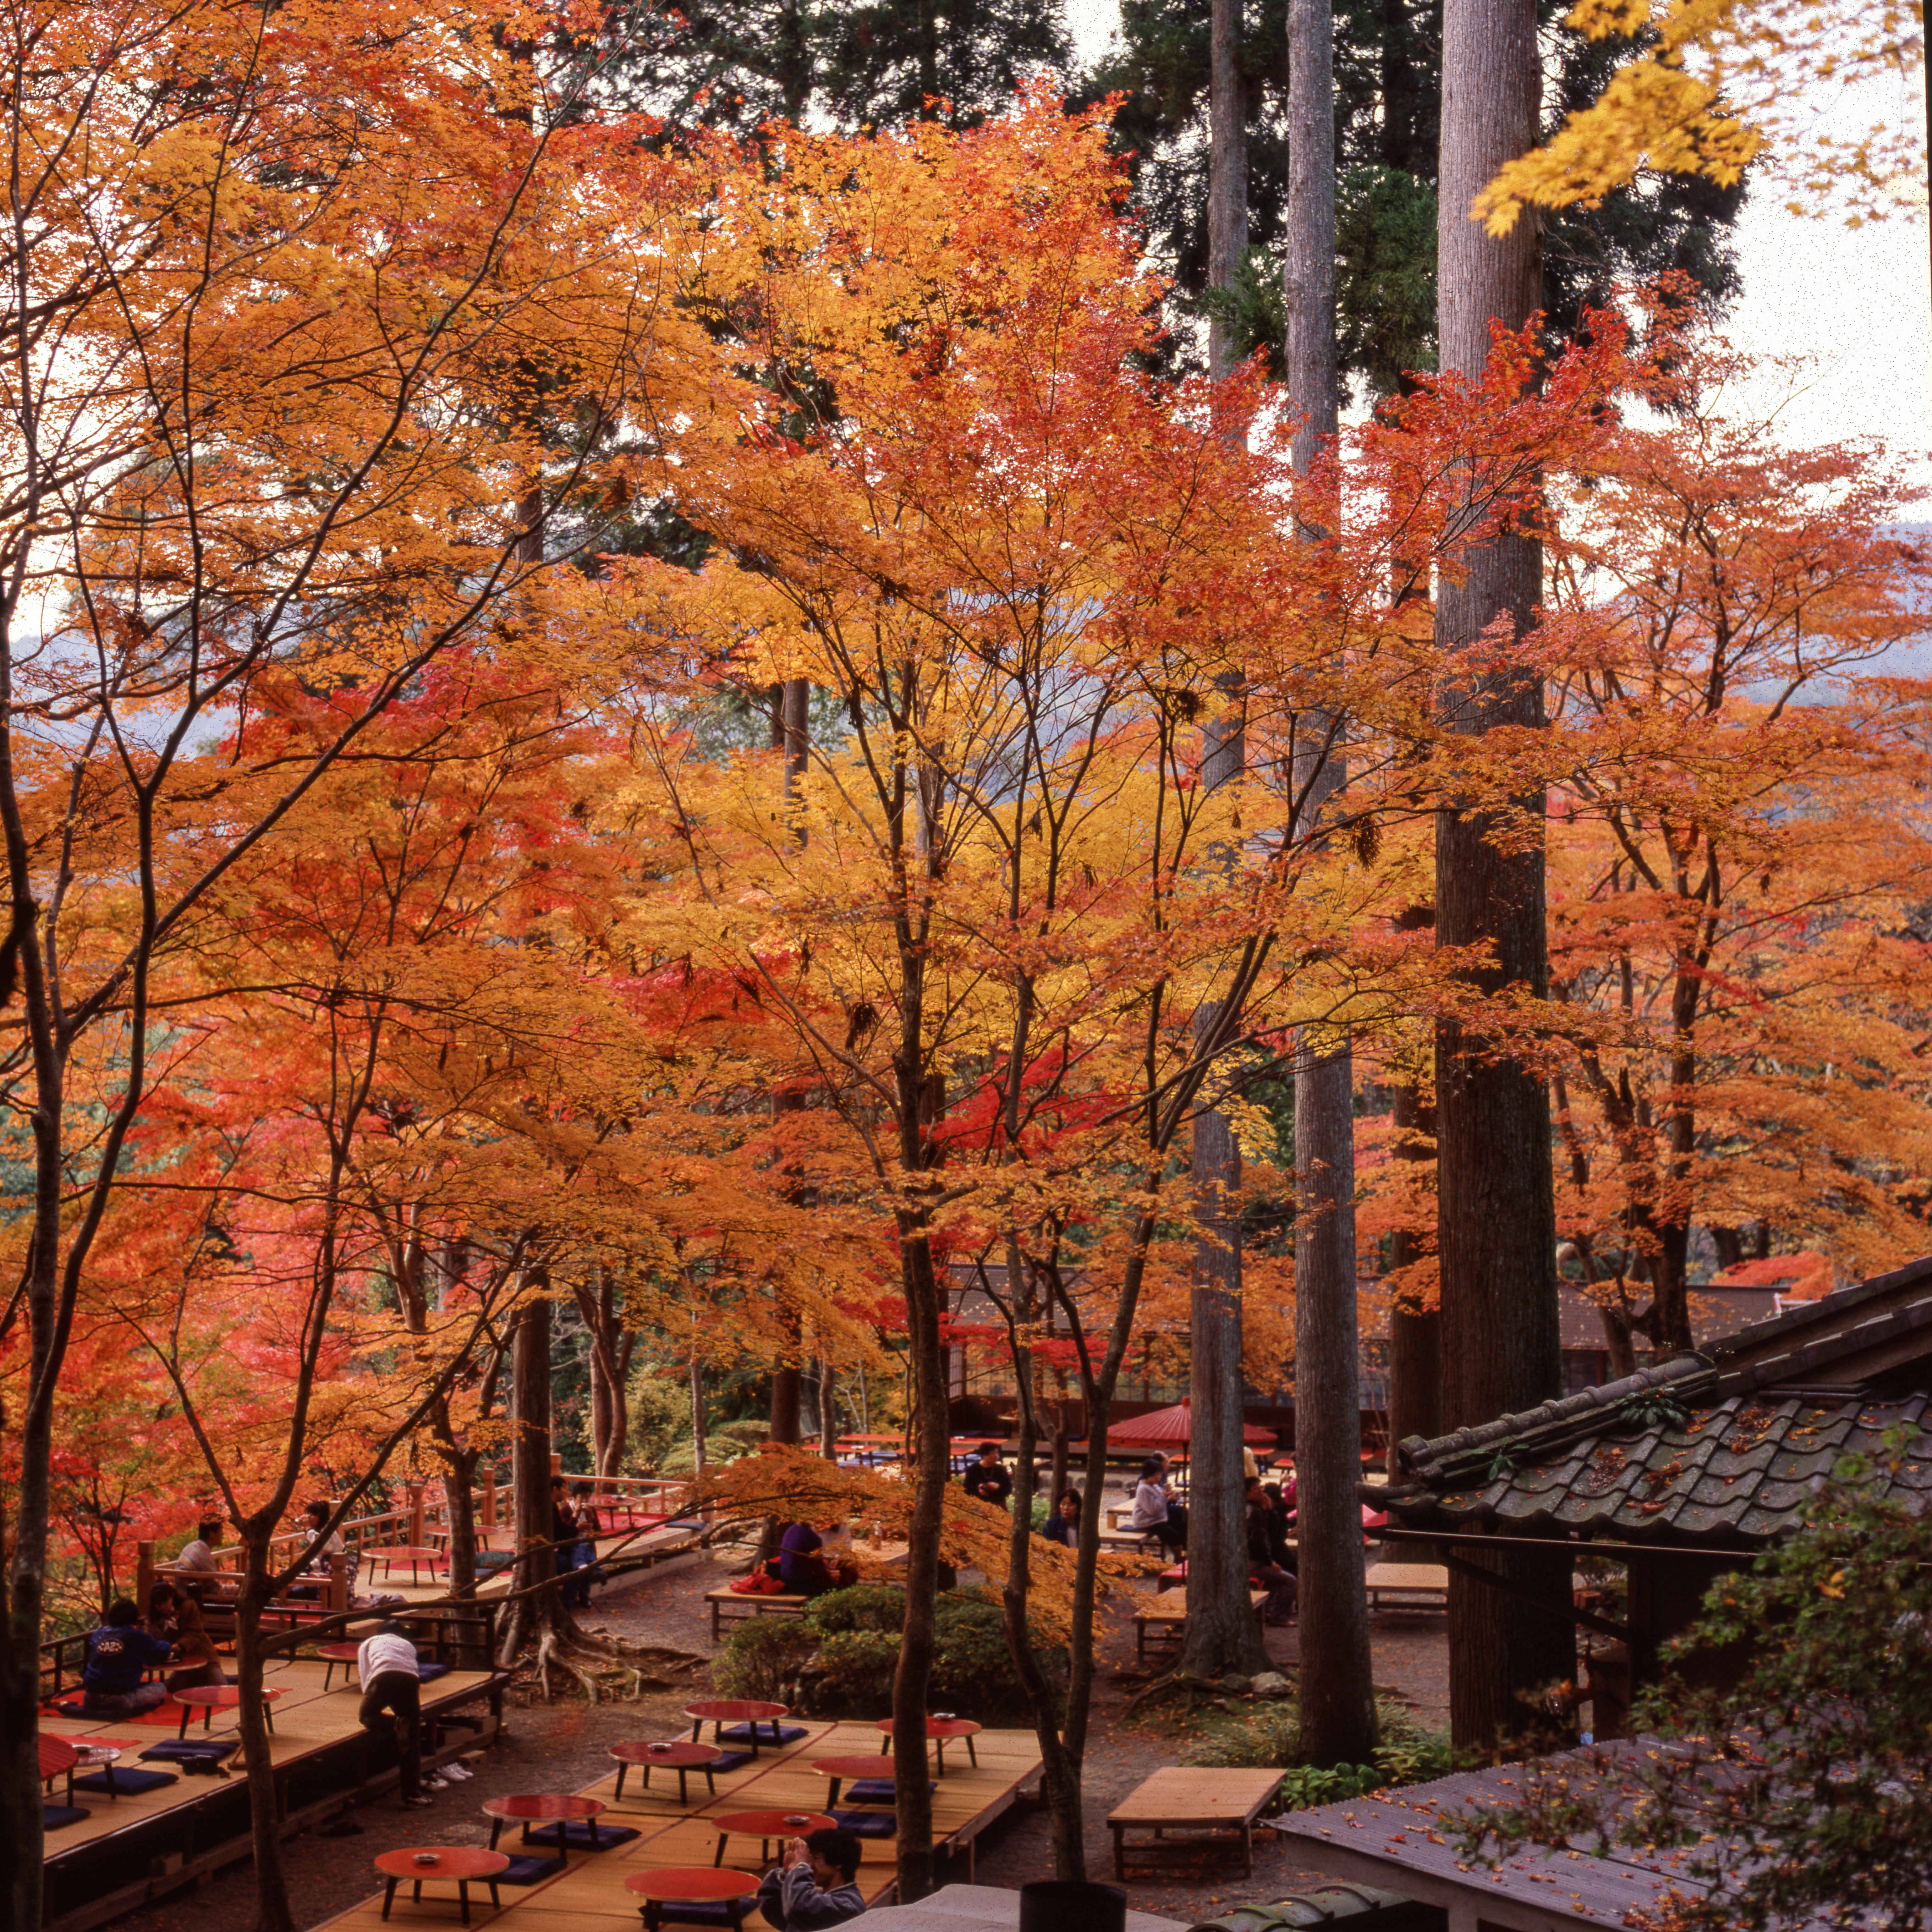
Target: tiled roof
column 1723, row 1446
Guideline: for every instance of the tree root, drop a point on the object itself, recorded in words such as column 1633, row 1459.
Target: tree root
column 1196, row 1691
column 607, row 1667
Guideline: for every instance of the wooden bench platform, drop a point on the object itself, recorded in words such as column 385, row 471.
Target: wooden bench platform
column 1407, row 1586
column 1188, row 1798
column 1166, row 1616
column 743, row 1607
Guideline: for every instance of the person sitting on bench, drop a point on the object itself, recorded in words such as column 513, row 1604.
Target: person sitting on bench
column 118, row 1653
column 174, row 1615
column 197, row 1558
column 801, row 1568
column 392, row 1704
column 1279, row 1582
column 812, row 1886
column 1153, row 1513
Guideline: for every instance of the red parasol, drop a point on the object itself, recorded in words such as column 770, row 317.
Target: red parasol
column 1172, row 1425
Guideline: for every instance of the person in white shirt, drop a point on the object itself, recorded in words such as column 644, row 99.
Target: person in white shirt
column 322, row 1548
column 1154, row 1511
column 392, row 1702
column 199, row 1555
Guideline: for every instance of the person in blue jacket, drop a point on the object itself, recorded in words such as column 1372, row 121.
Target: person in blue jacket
column 118, row 1653
column 814, row 1885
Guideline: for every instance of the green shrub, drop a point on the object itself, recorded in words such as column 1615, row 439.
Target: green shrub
column 862, row 1606
column 760, row 1658
column 1271, row 1735
column 858, row 1630
column 857, row 1667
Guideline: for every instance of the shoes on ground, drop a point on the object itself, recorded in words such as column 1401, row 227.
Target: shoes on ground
column 458, row 1771
column 436, row 1784
column 417, row 1803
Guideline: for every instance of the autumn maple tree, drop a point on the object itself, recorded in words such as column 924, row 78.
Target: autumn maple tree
column 296, row 391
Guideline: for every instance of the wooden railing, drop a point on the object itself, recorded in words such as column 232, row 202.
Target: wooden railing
column 422, row 1522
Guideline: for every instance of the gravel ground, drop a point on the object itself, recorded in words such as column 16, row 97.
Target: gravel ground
column 562, row 1747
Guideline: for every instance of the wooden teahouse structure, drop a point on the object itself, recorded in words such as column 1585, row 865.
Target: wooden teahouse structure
column 1687, row 1469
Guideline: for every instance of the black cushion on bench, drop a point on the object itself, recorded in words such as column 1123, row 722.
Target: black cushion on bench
column 578, row 1834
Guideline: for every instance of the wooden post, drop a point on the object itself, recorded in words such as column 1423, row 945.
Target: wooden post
column 338, row 1582
column 489, row 1499
column 144, row 1574
column 556, row 1462
column 415, row 1495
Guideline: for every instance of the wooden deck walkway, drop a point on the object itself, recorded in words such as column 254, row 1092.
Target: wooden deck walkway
column 590, row 1892
column 129, row 1849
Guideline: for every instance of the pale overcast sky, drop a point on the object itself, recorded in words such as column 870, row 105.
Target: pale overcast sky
column 1859, row 300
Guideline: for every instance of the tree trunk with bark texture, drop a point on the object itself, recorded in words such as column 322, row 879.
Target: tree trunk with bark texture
column 536, row 1607
column 1227, row 171
column 1338, row 1703
column 1221, row 1636
column 1060, row 1773
column 274, row 1910
column 1496, row 1212
column 791, row 735
column 1415, row 1334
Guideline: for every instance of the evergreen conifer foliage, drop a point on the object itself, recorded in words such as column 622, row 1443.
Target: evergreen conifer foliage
column 1388, row 109
column 737, row 64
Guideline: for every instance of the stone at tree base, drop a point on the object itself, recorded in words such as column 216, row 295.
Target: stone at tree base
column 1234, row 1684
column 1270, row 1684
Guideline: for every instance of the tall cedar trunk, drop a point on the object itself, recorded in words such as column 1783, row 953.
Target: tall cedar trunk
column 828, row 1412
column 1227, row 172
column 1338, row 1701
column 697, row 1416
column 790, row 726
column 1415, row 1333
column 1221, row 1635
column 1496, row 1214
column 536, row 1605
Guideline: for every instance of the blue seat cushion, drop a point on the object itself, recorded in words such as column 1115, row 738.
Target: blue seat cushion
column 868, row 1824
column 525, row 1871
column 741, row 1734
column 126, row 1783
column 731, row 1760
column 877, row 1790
column 68, row 1707
column 53, row 1816
column 705, row 1912
column 429, row 1673
column 576, row 1834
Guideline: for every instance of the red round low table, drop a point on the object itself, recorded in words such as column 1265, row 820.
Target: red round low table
column 941, row 1732
column 406, row 1553
column 527, row 1808
column 697, row 1885
column 768, row 1825
column 719, row 1712
column 459, row 1862
column 59, row 1754
column 333, row 1654
column 838, row 1769
column 209, row 1698
column 683, row 1758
